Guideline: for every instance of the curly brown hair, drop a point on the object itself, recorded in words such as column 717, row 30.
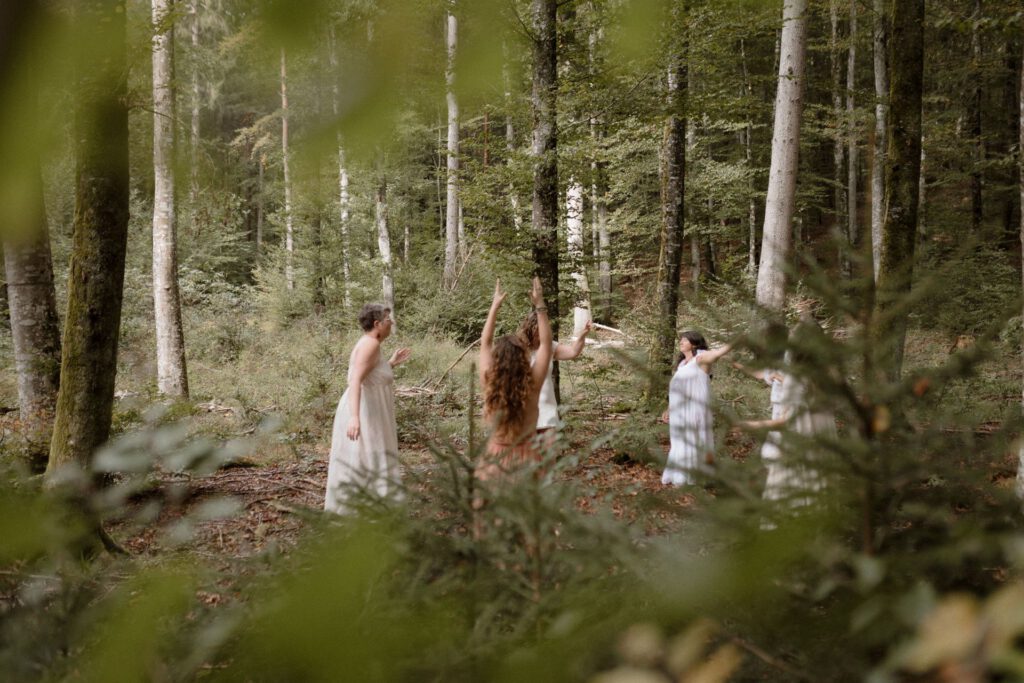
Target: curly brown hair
column 529, row 332
column 507, row 383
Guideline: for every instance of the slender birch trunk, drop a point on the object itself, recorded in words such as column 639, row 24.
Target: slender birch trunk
column 262, row 162
column 384, row 243
column 838, row 151
column 453, row 239
column 193, row 185
column 289, row 235
column 853, row 230
column 748, row 151
column 35, row 327
column 172, row 377
column 599, row 206
column 978, row 144
column 96, row 280
column 902, row 176
column 781, row 199
column 574, row 238
column 343, row 197
column 510, row 146
column 881, row 64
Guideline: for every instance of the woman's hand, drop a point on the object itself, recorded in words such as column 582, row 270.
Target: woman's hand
column 537, row 293
column 353, row 428
column 664, row 417
column 400, row 356
column 499, row 296
column 587, row 327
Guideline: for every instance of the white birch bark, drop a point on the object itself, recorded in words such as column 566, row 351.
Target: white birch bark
column 343, row 196
column 172, row 379
column 881, row 64
column 289, row 235
column 852, row 231
column 838, row 152
column 262, row 162
column 574, row 237
column 781, row 199
column 384, row 245
column 510, row 147
column 453, row 237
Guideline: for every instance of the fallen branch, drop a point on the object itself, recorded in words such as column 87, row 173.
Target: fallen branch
column 462, row 355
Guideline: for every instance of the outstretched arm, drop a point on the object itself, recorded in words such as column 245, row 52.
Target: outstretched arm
column 487, row 337
column 540, row 364
column 571, row 351
column 707, row 358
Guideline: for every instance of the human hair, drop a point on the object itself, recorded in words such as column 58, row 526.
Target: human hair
column 529, row 332
column 507, row 383
column 372, row 313
column 698, row 342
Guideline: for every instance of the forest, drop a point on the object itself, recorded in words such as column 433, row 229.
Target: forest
column 809, row 209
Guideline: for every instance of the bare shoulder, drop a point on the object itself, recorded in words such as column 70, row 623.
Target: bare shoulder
column 366, row 348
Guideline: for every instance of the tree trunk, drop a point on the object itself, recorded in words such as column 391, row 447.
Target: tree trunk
column 172, row 377
column 881, row 64
column 781, row 199
column 838, row 152
column 673, row 205
column 1020, row 180
column 544, row 215
column 903, row 169
column 96, row 280
column 259, row 204
column 343, row 198
column 384, row 244
column 452, row 232
column 599, row 205
column 852, row 231
column 193, row 193
column 748, row 92
column 35, row 328
column 574, row 238
column 974, row 113
column 289, row 236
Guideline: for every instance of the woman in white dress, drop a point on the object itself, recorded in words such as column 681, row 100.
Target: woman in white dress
column 691, row 426
column 364, row 441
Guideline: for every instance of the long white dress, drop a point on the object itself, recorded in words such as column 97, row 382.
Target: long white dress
column 770, row 448
column 547, row 406
column 371, row 462
column 793, row 476
column 691, row 427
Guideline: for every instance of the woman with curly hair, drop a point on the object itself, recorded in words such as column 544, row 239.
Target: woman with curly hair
column 512, row 386
column 547, row 407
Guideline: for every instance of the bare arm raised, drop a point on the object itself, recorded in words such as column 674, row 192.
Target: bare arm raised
column 571, row 351
column 487, row 337
column 365, row 357
column 540, row 364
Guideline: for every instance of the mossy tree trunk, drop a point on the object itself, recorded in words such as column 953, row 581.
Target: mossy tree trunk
column 545, row 162
column 902, row 175
column 95, row 285
column 673, row 206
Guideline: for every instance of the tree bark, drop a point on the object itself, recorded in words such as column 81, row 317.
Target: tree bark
column 853, row 230
column 781, row 199
column 748, row 153
column 838, row 151
column 974, row 113
column 510, row 147
column 903, row 170
column 384, row 243
column 1020, row 181
column 881, row 68
column 35, row 328
column 673, row 205
column 452, row 232
column 544, row 215
column 95, row 284
column 193, row 193
column 343, row 180
column 574, row 239
column 172, row 377
column 599, row 187
column 289, row 235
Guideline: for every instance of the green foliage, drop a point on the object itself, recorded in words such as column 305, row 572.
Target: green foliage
column 965, row 287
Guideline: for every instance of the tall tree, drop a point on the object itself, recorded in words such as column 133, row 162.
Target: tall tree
column 781, row 200
column 880, row 42
column 852, row 230
column 1020, row 186
column 673, row 201
column 748, row 155
column 343, row 180
column 35, row 328
column 510, row 145
column 95, row 284
column 574, row 241
column 289, row 234
column 544, row 152
column 974, row 116
column 384, row 242
column 902, row 174
column 452, row 215
column 838, row 151
column 599, row 186
column 172, row 377
column 196, row 106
